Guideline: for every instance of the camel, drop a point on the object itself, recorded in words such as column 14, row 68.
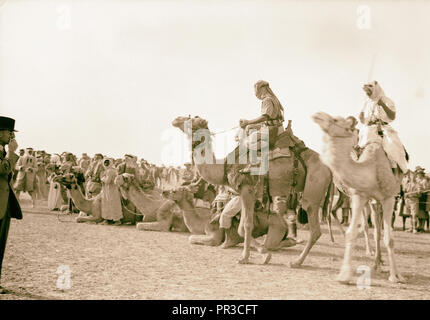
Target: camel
column 206, row 230
column 369, row 177
column 197, row 220
column 314, row 182
column 158, row 212
column 92, row 206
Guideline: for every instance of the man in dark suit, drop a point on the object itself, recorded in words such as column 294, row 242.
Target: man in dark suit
column 9, row 206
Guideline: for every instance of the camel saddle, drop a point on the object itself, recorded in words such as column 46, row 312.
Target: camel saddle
column 285, row 145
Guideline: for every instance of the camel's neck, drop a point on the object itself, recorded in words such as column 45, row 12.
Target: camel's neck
column 336, row 154
column 193, row 221
column 209, row 168
column 146, row 203
column 83, row 204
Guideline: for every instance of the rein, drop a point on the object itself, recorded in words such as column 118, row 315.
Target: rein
column 223, row 131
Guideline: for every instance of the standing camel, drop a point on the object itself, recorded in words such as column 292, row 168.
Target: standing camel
column 369, row 177
column 314, row 182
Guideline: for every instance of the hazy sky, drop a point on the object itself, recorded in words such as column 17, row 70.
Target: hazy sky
column 110, row 76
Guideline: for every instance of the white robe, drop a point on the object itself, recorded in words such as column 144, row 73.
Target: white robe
column 369, row 133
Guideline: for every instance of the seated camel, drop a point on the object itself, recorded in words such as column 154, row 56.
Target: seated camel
column 206, row 230
column 159, row 213
column 91, row 207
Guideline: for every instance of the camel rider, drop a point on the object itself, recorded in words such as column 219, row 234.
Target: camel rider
column 272, row 117
column 231, row 207
column 376, row 115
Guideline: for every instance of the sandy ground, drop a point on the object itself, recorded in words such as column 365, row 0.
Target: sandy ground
column 108, row 262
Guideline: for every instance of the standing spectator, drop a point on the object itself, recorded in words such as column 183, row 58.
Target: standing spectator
column 422, row 214
column 25, row 179
column 92, row 175
column 9, row 206
column 84, row 162
column 111, row 197
column 42, row 182
column 412, row 195
column 55, row 199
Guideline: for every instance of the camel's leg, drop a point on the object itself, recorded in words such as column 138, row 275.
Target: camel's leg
column 339, row 225
column 346, row 273
column 366, row 213
column 314, row 233
column 205, row 240
column 232, row 236
column 154, row 226
column 274, row 238
column 330, row 231
column 387, row 208
column 336, row 207
column 276, row 232
column 247, row 218
column 80, row 219
column 377, row 223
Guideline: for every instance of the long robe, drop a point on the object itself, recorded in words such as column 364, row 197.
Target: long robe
column 111, row 197
column 390, row 140
column 55, row 199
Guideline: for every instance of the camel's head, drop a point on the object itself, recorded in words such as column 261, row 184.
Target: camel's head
column 187, row 123
column 179, row 194
column 124, row 180
column 68, row 180
column 334, row 127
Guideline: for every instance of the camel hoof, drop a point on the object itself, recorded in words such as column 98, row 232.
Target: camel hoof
column 378, row 264
column 244, row 259
column 140, row 226
column 295, row 264
column 267, row 257
column 226, row 245
column 300, row 241
column 397, row 279
column 344, row 276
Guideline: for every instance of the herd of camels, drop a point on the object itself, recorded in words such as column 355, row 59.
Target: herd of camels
column 369, row 177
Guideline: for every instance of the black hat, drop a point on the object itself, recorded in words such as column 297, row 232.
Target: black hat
column 7, row 124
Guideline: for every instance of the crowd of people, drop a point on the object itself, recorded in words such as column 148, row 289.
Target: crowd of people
column 36, row 172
